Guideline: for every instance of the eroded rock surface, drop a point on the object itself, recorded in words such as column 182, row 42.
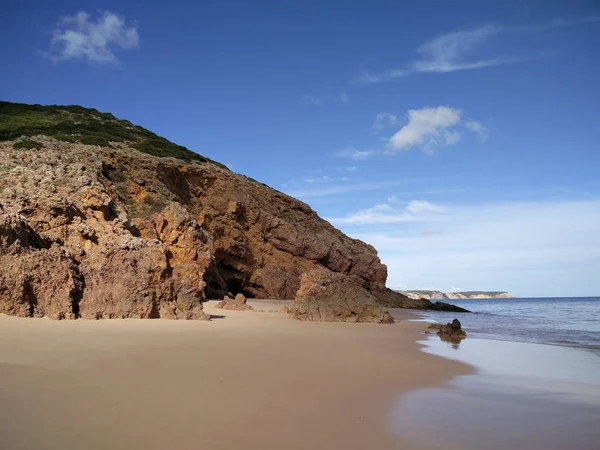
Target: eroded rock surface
column 234, row 304
column 325, row 296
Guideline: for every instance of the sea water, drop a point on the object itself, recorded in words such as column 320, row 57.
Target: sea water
column 572, row 322
column 536, row 383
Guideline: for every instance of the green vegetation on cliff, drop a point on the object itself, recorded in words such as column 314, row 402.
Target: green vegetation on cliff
column 87, row 126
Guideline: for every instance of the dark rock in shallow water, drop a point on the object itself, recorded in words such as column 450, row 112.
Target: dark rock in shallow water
column 451, row 332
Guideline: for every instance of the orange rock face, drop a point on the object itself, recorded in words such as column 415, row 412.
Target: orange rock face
column 99, row 232
column 326, row 296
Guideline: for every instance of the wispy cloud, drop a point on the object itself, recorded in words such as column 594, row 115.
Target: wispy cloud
column 81, row 37
column 447, row 53
column 352, row 153
column 366, row 77
column 322, row 101
column 481, row 131
column 389, row 213
column 455, row 51
column 428, row 232
column 384, row 120
column 346, row 188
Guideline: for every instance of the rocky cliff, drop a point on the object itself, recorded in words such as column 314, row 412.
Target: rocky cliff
column 103, row 219
column 437, row 295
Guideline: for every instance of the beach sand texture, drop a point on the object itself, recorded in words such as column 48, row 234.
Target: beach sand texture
column 247, row 380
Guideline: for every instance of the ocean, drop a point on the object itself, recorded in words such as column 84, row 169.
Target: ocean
column 536, row 380
column 572, row 322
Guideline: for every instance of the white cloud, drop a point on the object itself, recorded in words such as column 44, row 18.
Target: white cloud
column 80, row 37
column 481, row 131
column 347, row 169
column 528, row 248
column 427, row 128
column 344, row 98
column 355, row 154
column 384, row 120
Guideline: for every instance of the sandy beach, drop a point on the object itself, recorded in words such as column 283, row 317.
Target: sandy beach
column 243, row 380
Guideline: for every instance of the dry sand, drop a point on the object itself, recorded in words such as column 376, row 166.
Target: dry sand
column 245, row 380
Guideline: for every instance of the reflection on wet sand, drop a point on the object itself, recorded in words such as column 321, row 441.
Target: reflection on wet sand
column 522, row 396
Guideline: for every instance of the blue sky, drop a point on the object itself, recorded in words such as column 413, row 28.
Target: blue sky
column 461, row 139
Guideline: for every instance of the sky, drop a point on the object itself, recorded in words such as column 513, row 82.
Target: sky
column 461, row 139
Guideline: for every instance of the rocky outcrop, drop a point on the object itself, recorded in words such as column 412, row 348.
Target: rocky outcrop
column 37, row 279
column 325, row 296
column 234, row 304
column 154, row 237
column 68, row 249
column 451, row 332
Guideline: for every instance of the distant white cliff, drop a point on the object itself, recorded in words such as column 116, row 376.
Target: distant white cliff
column 437, row 295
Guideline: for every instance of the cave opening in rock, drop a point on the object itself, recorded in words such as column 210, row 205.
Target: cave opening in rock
column 235, row 286
column 29, row 297
column 235, row 280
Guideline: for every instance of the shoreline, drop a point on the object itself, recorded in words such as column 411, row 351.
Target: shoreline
column 520, row 395
column 251, row 379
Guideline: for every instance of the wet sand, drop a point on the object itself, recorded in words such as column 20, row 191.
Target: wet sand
column 244, row 380
column 533, row 396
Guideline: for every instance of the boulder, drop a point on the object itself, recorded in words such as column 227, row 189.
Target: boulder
column 326, row 296
column 234, row 304
column 451, row 332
